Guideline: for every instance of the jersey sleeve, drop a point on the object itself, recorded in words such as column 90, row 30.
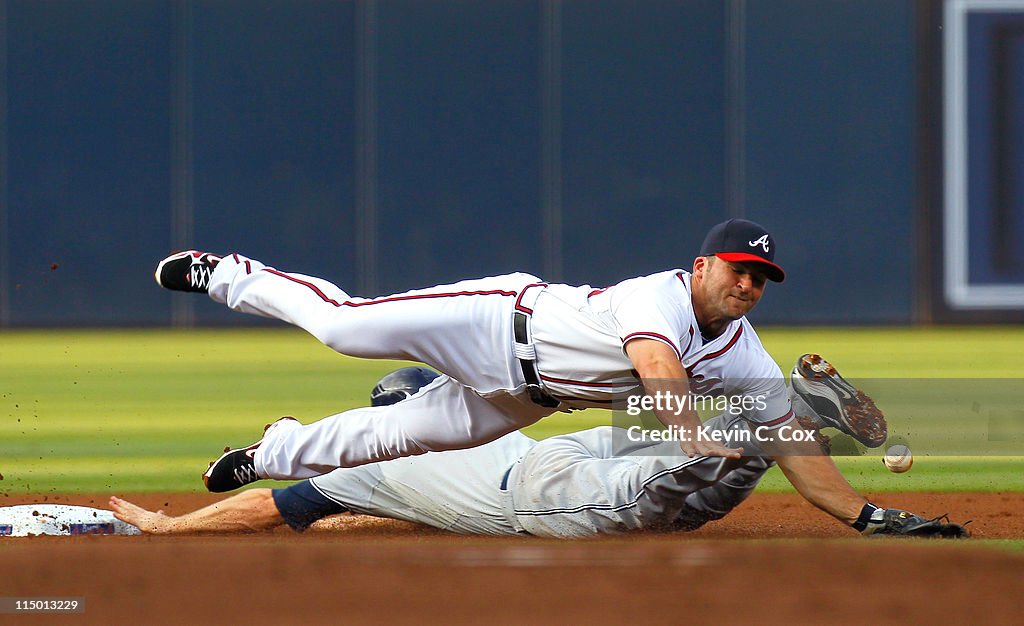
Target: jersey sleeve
column 769, row 404
column 762, row 388
column 652, row 307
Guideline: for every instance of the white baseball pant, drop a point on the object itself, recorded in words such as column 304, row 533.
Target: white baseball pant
column 459, row 490
column 463, row 330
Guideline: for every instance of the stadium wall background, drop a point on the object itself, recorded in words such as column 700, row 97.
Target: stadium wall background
column 391, row 144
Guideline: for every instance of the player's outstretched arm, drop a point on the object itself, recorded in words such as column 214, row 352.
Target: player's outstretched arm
column 663, row 376
column 819, row 481
column 248, row 511
column 812, row 472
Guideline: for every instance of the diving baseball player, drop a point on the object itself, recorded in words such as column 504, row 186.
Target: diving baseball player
column 512, row 349
column 587, row 483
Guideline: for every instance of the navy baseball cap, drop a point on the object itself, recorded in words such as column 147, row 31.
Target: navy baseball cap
column 742, row 240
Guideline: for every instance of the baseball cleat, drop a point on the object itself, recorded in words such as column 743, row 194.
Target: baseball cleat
column 836, row 402
column 235, row 468
column 187, row 271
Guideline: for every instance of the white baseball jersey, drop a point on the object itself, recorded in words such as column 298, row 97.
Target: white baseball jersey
column 465, row 330
column 580, row 334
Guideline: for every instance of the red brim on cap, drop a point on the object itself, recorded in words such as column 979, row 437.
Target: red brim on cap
column 771, row 270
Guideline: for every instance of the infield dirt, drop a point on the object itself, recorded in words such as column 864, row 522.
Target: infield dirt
column 383, row 571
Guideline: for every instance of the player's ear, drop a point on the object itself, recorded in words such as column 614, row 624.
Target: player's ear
column 699, row 264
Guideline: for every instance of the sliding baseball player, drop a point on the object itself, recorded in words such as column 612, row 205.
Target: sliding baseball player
column 593, row 482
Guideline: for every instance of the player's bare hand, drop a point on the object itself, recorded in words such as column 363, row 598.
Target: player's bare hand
column 709, row 448
column 152, row 522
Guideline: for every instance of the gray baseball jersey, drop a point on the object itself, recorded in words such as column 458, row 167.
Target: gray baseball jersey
column 581, row 484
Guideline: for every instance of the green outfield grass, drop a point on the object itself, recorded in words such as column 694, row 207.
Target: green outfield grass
column 120, row 411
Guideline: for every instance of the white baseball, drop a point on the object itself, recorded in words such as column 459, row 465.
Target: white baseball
column 898, row 459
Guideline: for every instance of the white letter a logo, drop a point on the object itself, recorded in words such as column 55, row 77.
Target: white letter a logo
column 763, row 242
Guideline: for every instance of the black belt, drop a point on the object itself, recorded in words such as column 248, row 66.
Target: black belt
column 504, row 479
column 520, row 322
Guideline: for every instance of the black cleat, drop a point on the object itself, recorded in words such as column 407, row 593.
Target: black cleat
column 235, row 468
column 838, row 403
column 187, row 271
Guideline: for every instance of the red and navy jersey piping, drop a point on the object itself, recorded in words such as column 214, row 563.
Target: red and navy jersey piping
column 779, row 421
column 653, row 335
column 717, row 353
column 418, row 296
column 519, row 300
